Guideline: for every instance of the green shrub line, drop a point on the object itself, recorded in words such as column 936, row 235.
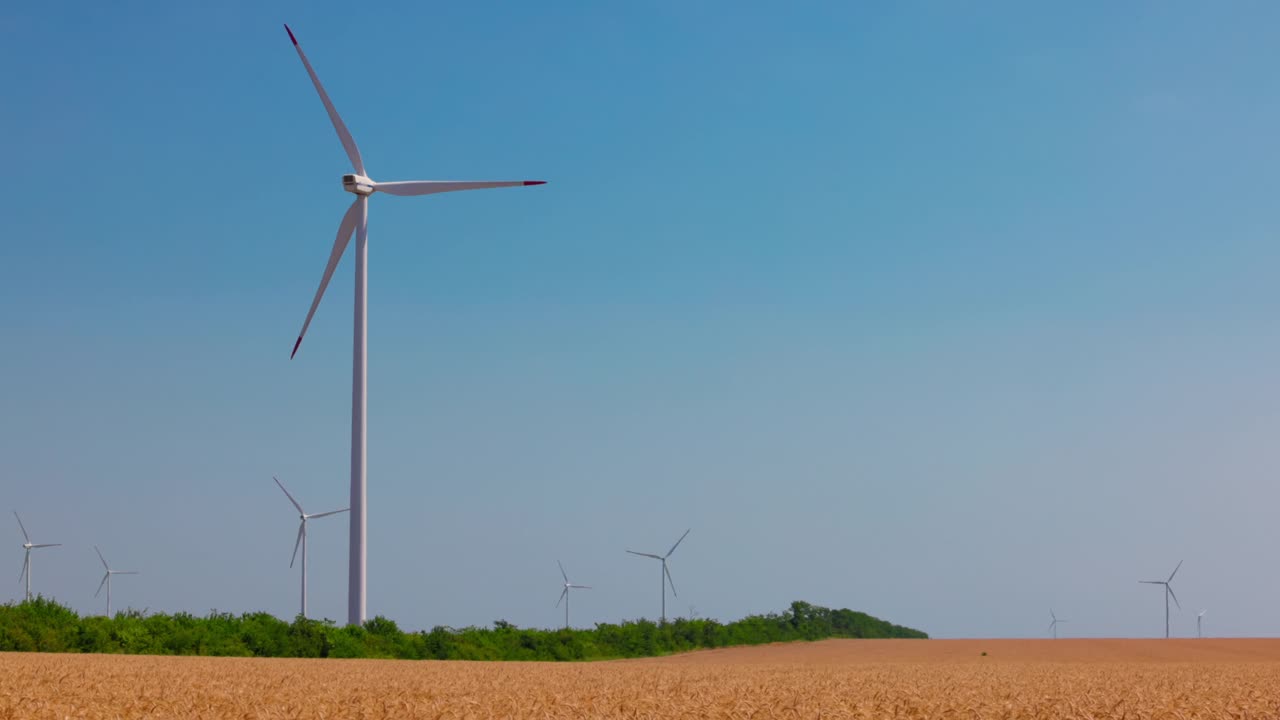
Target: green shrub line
column 42, row 625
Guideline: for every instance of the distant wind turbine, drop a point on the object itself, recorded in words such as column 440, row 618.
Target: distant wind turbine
column 564, row 596
column 1054, row 625
column 666, row 574
column 106, row 579
column 28, row 546
column 1168, row 593
column 1199, row 617
column 302, row 538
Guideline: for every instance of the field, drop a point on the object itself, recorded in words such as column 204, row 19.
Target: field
column 832, row 678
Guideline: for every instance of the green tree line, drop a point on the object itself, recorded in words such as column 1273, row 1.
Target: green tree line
column 46, row 626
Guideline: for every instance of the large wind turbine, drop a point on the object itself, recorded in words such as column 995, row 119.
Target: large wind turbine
column 1054, row 625
column 356, row 220
column 106, row 579
column 1168, row 593
column 302, row 538
column 27, row 547
column 564, row 595
column 666, row 574
column 1199, row 617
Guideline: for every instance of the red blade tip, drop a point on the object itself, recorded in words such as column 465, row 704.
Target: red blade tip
column 534, row 182
column 291, row 37
column 295, row 347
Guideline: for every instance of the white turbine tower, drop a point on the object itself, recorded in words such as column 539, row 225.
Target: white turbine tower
column 27, row 547
column 356, row 221
column 564, row 595
column 106, row 579
column 1199, row 617
column 1054, row 625
column 1168, row 593
column 666, row 574
column 302, row 538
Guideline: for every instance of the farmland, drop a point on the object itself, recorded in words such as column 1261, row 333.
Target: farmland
column 831, row 678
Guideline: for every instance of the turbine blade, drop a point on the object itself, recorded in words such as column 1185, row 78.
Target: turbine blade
column 1175, row 572
column 101, row 584
column 25, row 536
column 673, row 547
column 1152, row 582
column 47, row 545
column 345, row 229
column 286, row 494
column 125, row 572
column 348, row 143
column 655, row 557
column 431, row 187
column 104, row 560
column 26, row 558
column 673, row 582
column 302, row 527
column 1173, row 595
column 562, row 573
column 327, row 514
column 581, row 587
column 562, row 594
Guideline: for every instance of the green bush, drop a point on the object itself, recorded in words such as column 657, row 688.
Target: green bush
column 45, row 626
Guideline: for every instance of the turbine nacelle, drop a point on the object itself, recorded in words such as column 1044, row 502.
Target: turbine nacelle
column 358, row 184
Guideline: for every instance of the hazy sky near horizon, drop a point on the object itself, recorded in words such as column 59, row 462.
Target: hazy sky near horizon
column 949, row 314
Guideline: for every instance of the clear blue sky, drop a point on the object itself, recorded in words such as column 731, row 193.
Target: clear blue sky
column 948, row 314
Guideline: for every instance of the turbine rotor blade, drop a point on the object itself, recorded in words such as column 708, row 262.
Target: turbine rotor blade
column 581, row 587
column 673, row 547
column 327, row 514
column 101, row 584
column 344, row 135
column 302, row 528
column 286, row 494
column 26, row 559
column 1174, row 595
column 669, row 580
column 47, row 545
column 655, row 557
column 345, row 230
column 104, row 560
column 25, row 536
column 431, row 187
column 1175, row 571
column 562, row 594
column 1152, row 582
column 562, row 572
column 125, row 572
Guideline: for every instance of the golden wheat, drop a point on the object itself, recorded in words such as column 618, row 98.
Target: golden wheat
column 832, row 679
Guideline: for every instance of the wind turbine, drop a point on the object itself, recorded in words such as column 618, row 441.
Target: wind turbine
column 1168, row 593
column 356, row 221
column 1199, row 617
column 666, row 574
column 106, row 579
column 28, row 546
column 564, row 596
column 1054, row 625
column 302, row 538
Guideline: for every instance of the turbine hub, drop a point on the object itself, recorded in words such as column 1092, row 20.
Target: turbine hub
column 358, row 184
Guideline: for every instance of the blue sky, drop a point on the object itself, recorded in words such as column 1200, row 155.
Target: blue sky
column 948, row 314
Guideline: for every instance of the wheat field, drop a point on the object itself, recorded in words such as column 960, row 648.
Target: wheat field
column 829, row 679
